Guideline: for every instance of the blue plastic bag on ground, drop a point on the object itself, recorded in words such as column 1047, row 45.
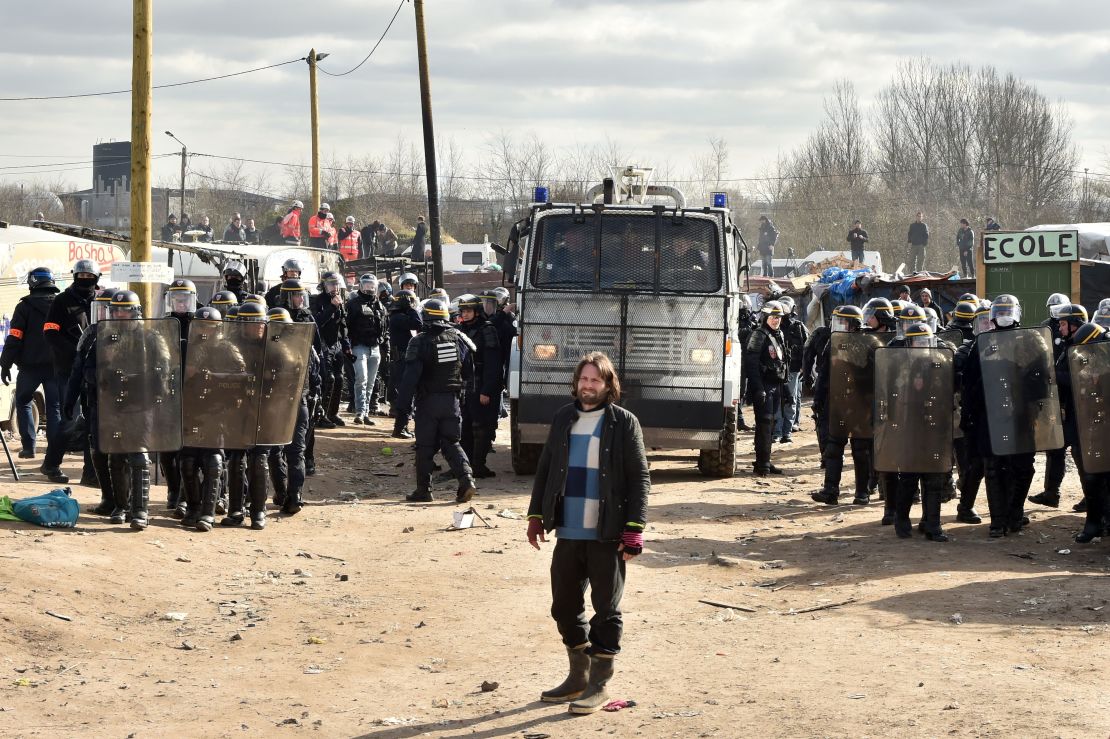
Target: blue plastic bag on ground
column 56, row 509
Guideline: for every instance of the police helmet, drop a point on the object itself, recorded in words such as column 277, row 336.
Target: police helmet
column 279, row 315
column 846, row 318
column 252, row 312
column 253, row 298
column 291, row 288
column 291, row 265
column 964, row 313
column 909, row 314
column 407, row 278
column 384, row 288
column 224, row 298
column 970, row 297
column 772, row 308
column 325, row 206
column 1056, row 301
column 404, row 299
column 40, row 277
column 490, row 302
column 101, row 303
column 745, row 302
column 931, row 318
column 86, row 266
column 1089, row 333
column 898, row 305
column 181, row 297
column 881, row 309
column 470, row 302
column 298, row 204
column 125, row 304
column 503, row 296
column 1074, row 314
column 439, row 292
column 1102, row 316
column 234, row 268
column 1006, row 311
column 330, row 282
column 207, row 313
column 919, row 335
column 231, row 313
column 367, row 284
column 1104, row 303
column 434, row 310
column 787, row 305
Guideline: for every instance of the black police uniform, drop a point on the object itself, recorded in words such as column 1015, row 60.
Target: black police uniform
column 1055, row 460
column 747, row 323
column 438, row 367
column 331, row 321
column 969, row 464
column 403, row 320
column 796, row 335
column 765, row 364
column 832, row 455
column 287, row 463
column 302, row 315
column 171, row 462
column 479, row 422
column 80, row 389
column 811, row 372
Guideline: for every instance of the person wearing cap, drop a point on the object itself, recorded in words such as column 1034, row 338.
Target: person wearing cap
column 26, row 347
column 171, row 230
column 765, row 365
column 291, row 223
column 350, row 240
column 234, row 233
column 319, row 228
column 925, row 300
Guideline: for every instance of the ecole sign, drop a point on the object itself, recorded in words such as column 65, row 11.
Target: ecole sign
column 1008, row 247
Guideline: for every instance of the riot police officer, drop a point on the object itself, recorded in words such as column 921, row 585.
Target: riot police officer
column 845, row 319
column 234, row 274
column 330, row 313
column 290, row 270
column 404, row 322
column 971, row 319
column 765, row 363
column 438, row 367
column 294, row 298
column 796, row 334
column 408, row 281
column 180, row 304
column 222, row 300
column 1055, row 460
column 202, row 470
column 747, row 322
column 481, row 403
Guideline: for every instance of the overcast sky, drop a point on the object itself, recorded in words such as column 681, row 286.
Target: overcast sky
column 661, row 77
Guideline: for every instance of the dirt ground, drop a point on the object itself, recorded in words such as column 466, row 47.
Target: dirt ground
column 363, row 616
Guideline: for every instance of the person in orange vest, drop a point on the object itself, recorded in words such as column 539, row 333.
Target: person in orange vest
column 291, row 224
column 350, row 240
column 333, row 238
column 320, row 228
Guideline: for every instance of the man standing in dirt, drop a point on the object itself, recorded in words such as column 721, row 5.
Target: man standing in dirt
column 591, row 485
column 918, row 239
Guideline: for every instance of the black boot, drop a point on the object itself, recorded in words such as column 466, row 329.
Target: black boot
column 466, row 490
column 236, row 495
column 965, row 509
column 1050, row 498
column 577, row 678
column 140, row 495
column 887, row 490
column 828, row 497
column 1095, row 524
column 904, row 491
column 931, row 514
column 258, row 474
column 601, row 672
column 996, row 497
column 420, row 495
column 121, row 487
column 763, row 432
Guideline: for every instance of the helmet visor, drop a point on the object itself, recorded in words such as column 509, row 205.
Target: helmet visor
column 923, row 342
column 181, row 301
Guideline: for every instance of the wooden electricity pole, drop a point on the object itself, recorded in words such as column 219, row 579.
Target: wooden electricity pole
column 314, row 103
column 429, row 147
column 142, row 53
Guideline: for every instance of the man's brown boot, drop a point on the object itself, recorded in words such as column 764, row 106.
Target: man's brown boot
column 575, row 684
column 601, row 671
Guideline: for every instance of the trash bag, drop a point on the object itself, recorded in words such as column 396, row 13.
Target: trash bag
column 56, row 509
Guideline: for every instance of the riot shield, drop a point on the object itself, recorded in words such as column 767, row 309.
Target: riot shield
column 953, row 336
column 1090, row 389
column 138, row 384
column 913, row 410
column 223, row 379
column 1019, row 384
column 283, row 374
column 851, row 383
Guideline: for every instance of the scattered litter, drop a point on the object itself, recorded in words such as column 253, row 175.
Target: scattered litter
column 489, row 686
column 616, row 705
column 1023, row 667
column 1063, row 551
column 313, row 670
column 673, row 714
column 774, row 564
column 236, row 637
column 394, row 721
column 302, row 573
column 157, row 543
column 342, row 578
column 183, row 559
column 420, row 625
column 506, row 513
column 408, row 529
column 316, row 640
column 188, row 646
column 824, row 607
column 461, row 520
column 174, row 616
column 387, row 451
column 23, row 682
column 857, row 696
column 956, row 618
column 536, row 735
column 953, row 706
column 59, row 615
column 493, row 551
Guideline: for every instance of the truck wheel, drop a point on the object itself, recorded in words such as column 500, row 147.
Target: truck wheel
column 721, row 462
column 525, row 457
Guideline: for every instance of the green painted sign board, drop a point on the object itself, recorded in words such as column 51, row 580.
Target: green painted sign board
column 1030, row 265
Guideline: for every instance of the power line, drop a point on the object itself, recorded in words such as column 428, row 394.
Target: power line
column 380, row 39
column 66, row 164
column 156, row 87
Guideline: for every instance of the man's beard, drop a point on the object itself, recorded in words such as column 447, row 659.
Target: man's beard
column 590, row 397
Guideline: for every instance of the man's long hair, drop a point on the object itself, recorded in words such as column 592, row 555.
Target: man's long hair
column 605, row 368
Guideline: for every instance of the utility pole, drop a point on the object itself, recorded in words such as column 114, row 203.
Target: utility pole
column 429, row 146
column 314, row 105
column 142, row 53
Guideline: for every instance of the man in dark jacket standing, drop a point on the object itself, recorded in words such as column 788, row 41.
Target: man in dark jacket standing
column 26, row 347
column 918, row 239
column 768, row 236
column 765, row 366
column 419, row 239
column 965, row 244
column 591, row 486
column 857, row 237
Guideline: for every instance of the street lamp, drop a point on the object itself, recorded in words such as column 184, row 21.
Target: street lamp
column 181, row 210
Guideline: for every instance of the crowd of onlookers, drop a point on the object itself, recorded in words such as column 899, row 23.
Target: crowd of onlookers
column 373, row 239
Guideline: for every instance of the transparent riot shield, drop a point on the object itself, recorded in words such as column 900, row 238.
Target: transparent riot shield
column 223, row 380
column 1090, row 389
column 953, row 336
column 851, row 383
column 283, row 374
column 138, row 382
column 913, row 410
column 1019, row 384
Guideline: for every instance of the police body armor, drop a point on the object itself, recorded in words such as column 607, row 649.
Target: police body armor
column 913, row 410
column 1090, row 386
column 851, row 383
column 442, row 360
column 138, row 379
column 1019, row 386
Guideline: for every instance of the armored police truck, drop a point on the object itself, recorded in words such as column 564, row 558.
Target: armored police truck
column 636, row 273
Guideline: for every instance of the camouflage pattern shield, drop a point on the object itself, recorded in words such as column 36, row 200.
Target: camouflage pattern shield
column 223, row 380
column 913, row 410
column 283, row 374
column 138, row 384
column 1090, row 389
column 1019, row 384
column 851, row 383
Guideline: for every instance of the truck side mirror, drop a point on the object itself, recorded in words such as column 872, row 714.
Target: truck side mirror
column 499, row 249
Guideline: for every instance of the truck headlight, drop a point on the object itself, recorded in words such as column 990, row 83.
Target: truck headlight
column 701, row 356
column 545, row 351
